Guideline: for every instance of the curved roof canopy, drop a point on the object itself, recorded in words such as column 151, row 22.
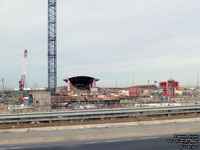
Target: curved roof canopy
column 81, row 82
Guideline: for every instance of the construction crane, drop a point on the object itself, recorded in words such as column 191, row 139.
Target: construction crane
column 23, row 74
column 52, row 47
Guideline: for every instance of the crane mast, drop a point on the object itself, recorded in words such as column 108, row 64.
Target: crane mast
column 23, row 73
column 52, row 47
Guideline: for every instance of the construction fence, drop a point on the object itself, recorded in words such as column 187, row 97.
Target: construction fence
column 44, row 102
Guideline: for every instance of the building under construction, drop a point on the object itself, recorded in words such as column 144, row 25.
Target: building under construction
column 81, row 83
column 169, row 87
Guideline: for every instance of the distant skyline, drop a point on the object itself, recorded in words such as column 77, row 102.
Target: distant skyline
column 112, row 40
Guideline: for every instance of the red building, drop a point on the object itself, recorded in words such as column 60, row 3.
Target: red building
column 137, row 91
column 169, row 88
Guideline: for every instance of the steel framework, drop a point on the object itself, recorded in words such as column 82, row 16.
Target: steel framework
column 52, row 47
column 23, row 74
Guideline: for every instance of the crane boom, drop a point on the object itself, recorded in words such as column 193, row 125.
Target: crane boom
column 23, row 73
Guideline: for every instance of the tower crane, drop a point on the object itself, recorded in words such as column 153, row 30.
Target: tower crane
column 52, row 46
column 23, row 73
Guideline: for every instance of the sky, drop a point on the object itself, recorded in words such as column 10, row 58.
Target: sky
column 120, row 42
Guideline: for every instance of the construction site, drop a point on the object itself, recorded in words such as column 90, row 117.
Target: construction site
column 82, row 93
column 93, row 75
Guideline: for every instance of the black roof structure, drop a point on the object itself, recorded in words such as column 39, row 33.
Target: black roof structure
column 81, row 82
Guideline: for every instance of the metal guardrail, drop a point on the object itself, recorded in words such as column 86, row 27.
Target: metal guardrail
column 97, row 114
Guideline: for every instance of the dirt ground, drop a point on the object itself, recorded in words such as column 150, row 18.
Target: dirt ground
column 83, row 122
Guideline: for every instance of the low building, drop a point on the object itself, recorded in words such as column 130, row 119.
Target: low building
column 138, row 90
column 169, row 88
column 41, row 99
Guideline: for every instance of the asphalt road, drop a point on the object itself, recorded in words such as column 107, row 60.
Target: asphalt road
column 154, row 128
column 131, row 143
column 143, row 136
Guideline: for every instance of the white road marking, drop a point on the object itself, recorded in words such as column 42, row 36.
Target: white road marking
column 114, row 141
column 129, row 139
column 17, row 148
column 10, row 148
column 91, row 142
column 123, row 140
column 145, row 138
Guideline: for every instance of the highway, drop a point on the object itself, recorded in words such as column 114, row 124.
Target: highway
column 147, row 135
column 131, row 143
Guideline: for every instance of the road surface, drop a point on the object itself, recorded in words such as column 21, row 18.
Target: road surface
column 140, row 136
column 131, row 143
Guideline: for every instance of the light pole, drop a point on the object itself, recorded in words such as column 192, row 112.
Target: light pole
column 2, row 84
column 155, row 82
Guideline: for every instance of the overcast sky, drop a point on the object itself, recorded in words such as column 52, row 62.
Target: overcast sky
column 113, row 40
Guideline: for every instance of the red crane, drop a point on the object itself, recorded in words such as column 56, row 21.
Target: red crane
column 23, row 74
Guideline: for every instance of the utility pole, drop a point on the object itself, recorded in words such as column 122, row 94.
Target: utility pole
column 155, row 82
column 52, row 47
column 79, row 97
column 132, row 80
column 198, row 79
column 198, row 84
column 2, row 83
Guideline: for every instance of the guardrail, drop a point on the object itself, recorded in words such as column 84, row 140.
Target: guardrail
column 97, row 114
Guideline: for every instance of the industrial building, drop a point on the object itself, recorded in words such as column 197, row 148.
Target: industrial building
column 139, row 90
column 169, row 88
